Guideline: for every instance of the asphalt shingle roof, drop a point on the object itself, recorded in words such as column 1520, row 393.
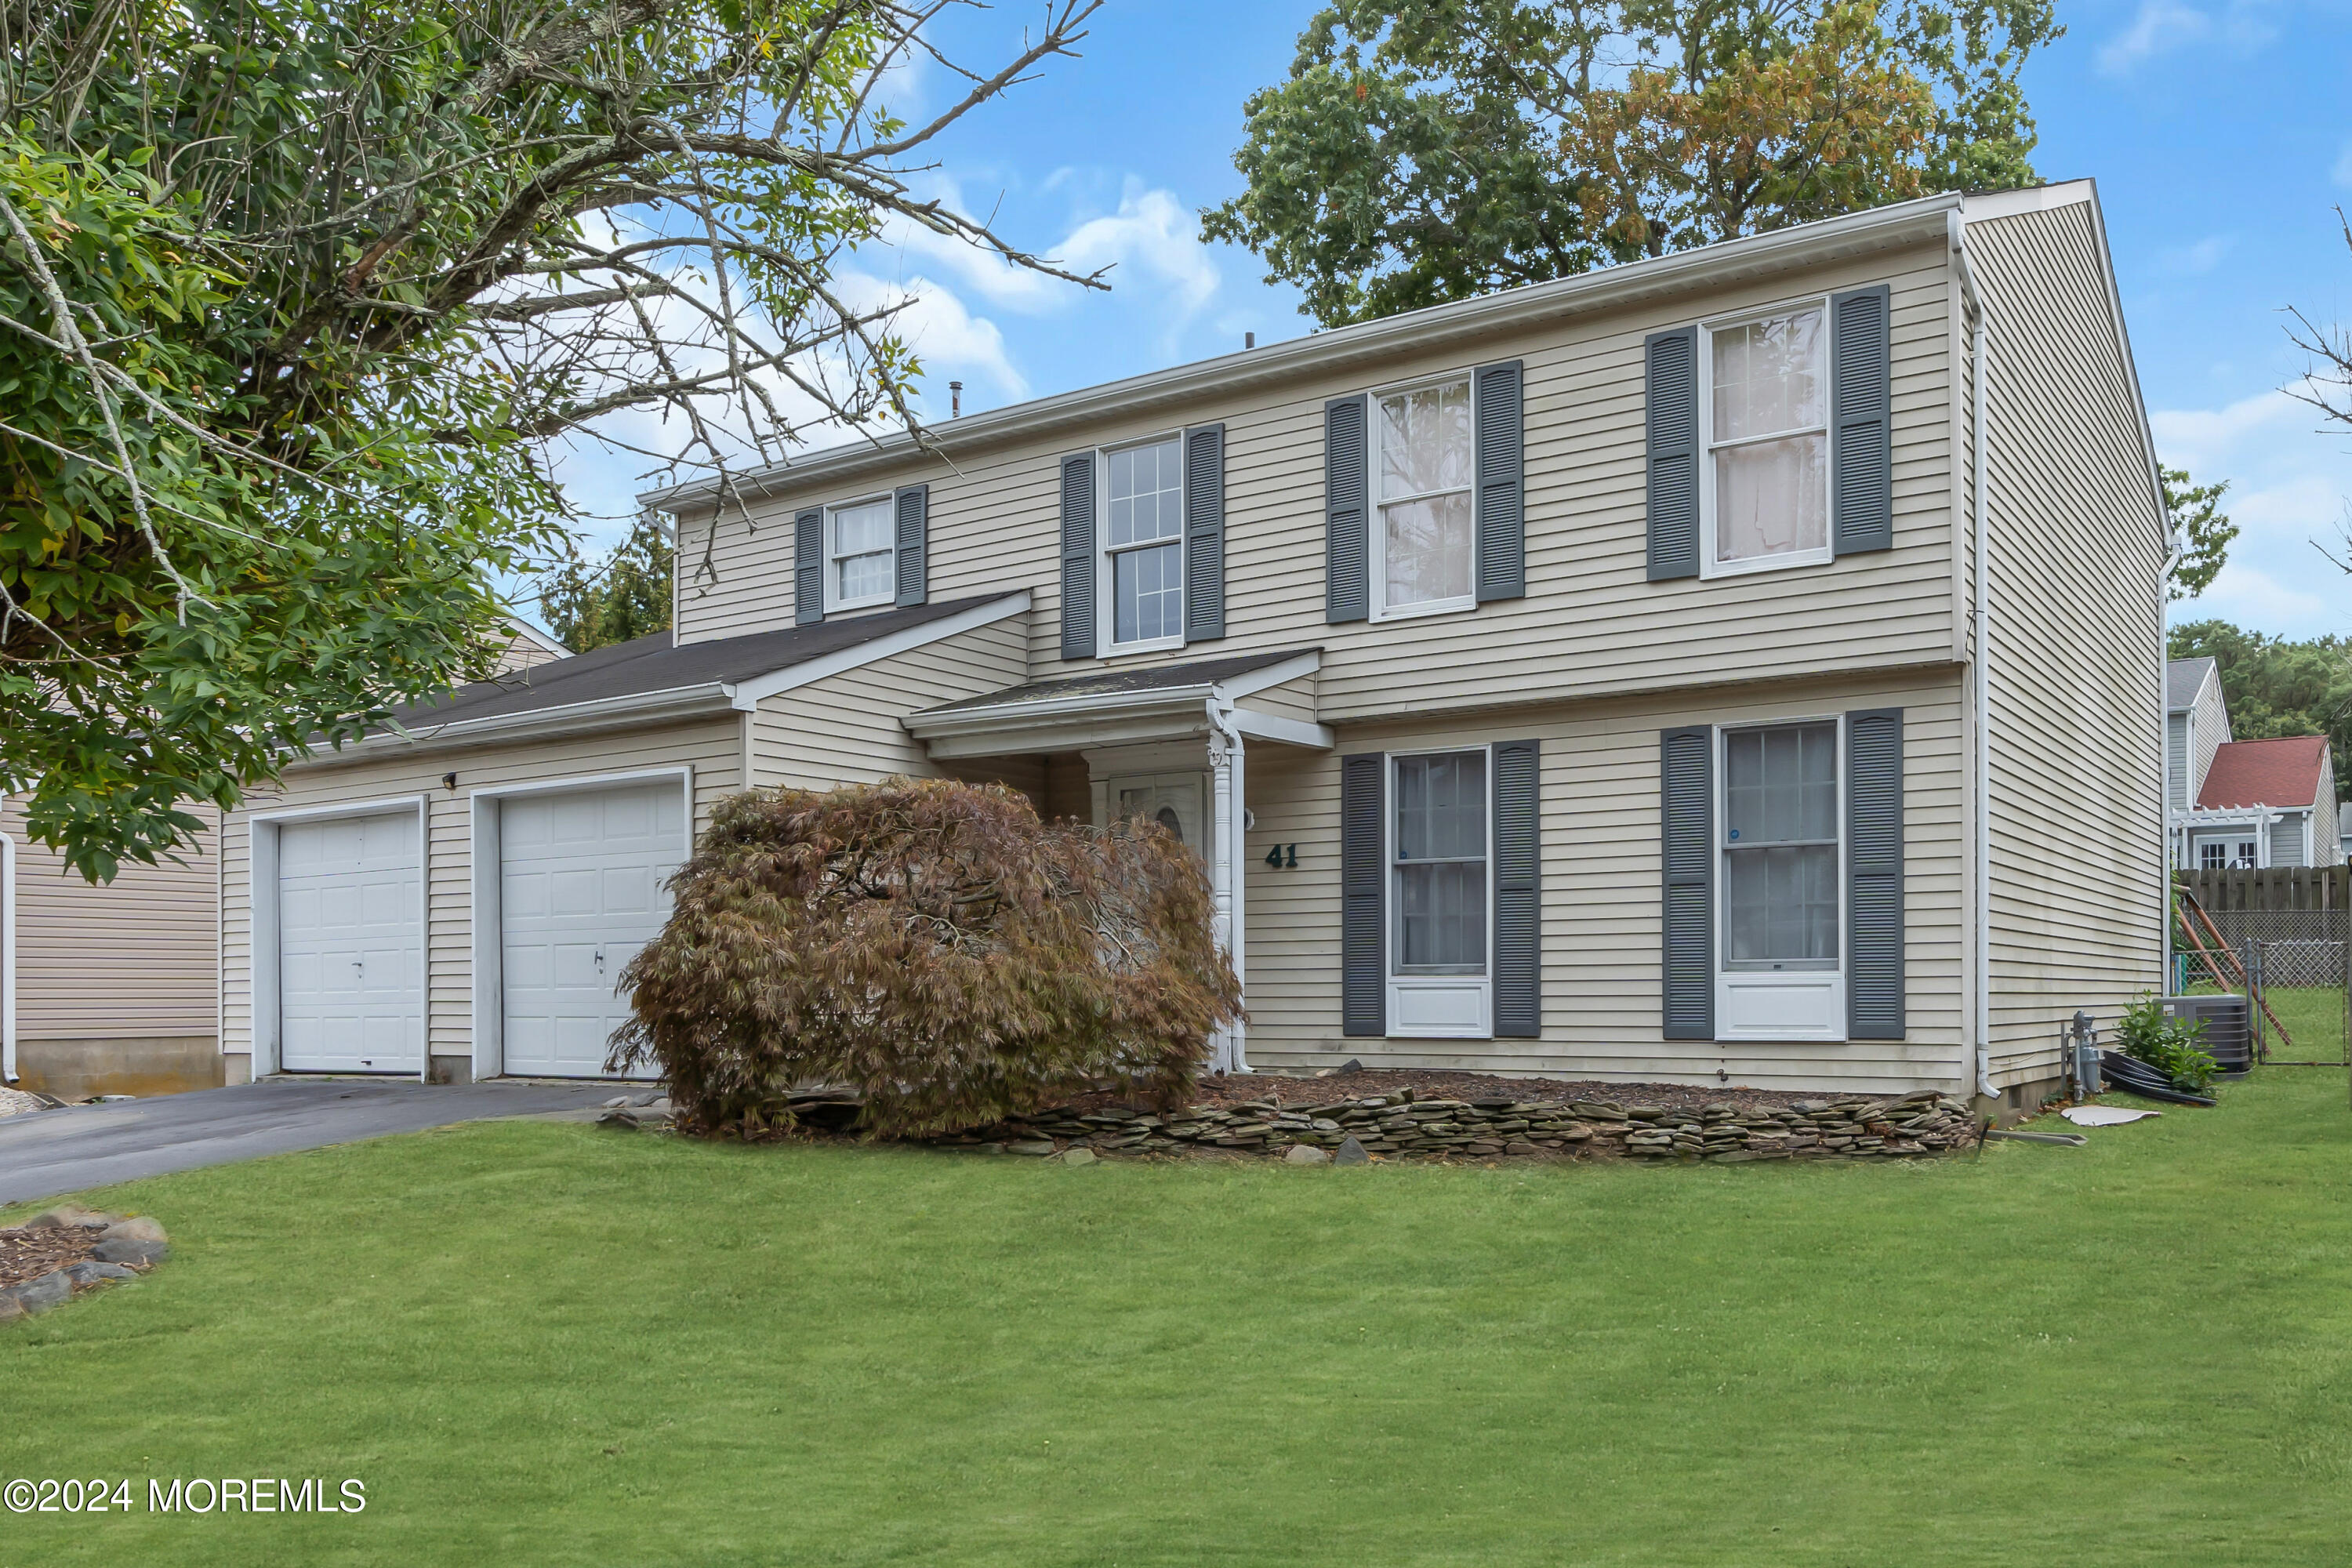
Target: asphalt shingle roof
column 2281, row 772
column 1153, row 677
column 654, row 664
column 2183, row 677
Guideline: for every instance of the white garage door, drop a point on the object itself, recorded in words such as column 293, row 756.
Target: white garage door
column 351, row 952
column 580, row 890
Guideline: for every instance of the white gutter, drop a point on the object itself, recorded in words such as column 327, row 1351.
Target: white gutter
column 1376, row 343
column 1980, row 615
column 7, row 958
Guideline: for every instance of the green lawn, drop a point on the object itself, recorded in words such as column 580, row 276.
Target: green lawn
column 549, row 1343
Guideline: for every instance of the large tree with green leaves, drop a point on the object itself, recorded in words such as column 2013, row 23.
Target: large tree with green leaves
column 621, row 596
column 1436, row 149
column 293, row 292
column 2200, row 530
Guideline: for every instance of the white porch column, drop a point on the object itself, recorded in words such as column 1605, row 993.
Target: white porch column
column 1226, row 1046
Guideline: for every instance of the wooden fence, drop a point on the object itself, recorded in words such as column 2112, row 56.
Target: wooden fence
column 2271, row 887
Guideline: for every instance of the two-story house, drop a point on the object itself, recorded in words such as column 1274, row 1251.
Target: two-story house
column 1660, row 674
column 2242, row 803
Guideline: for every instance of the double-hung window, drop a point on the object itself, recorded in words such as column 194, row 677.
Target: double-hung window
column 1439, row 848
column 1424, row 541
column 1766, row 474
column 861, row 559
column 1142, row 583
column 1783, row 857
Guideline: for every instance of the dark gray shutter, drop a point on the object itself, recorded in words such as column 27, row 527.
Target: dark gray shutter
column 1346, row 531
column 1501, row 494
column 1874, row 858
column 808, row 565
column 1363, row 873
column 1079, row 555
column 1672, row 402
column 914, row 508
column 1518, row 917
column 1861, row 443
column 1205, row 533
column 1686, row 809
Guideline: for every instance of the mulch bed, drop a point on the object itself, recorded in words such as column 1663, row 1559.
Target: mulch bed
column 27, row 1254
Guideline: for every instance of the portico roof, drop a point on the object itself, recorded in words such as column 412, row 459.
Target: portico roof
column 1147, row 702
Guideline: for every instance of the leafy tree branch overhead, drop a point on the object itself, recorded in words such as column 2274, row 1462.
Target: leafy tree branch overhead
column 1436, row 149
column 293, row 294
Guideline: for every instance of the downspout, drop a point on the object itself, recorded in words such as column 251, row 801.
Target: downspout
column 7, row 958
column 1226, row 869
column 1980, row 622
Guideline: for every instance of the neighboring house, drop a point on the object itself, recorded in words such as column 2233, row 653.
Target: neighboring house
column 2344, row 832
column 1662, row 674
column 116, row 990
column 2242, row 803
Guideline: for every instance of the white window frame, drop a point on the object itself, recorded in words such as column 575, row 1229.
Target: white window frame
column 1743, row 989
column 1476, row 992
column 833, row 557
column 1106, row 563
column 1708, row 565
column 1375, row 529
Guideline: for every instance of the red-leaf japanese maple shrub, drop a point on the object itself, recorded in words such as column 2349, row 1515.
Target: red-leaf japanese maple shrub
column 933, row 944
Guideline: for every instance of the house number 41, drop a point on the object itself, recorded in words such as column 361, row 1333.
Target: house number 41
column 1283, row 857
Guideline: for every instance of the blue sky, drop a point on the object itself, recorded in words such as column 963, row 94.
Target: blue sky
column 2216, row 129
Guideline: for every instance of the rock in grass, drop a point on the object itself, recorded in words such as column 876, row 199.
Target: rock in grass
column 1035, row 1147
column 90, row 1271
column 40, row 1295
column 1307, row 1155
column 70, row 1216
column 1350, row 1152
column 1079, row 1157
column 138, row 1228
column 125, row 1250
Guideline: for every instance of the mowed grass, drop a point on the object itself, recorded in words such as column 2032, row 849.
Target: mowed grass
column 547, row 1343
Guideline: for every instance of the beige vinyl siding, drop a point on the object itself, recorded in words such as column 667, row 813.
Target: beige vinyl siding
column 134, row 959
column 1600, row 876
column 712, row 748
column 1591, row 625
column 1291, row 700
column 2077, row 662
column 845, row 728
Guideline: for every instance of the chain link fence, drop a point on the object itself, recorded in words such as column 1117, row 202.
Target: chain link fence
column 2295, row 963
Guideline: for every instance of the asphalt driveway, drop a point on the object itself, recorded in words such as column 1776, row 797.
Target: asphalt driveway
column 46, row 1153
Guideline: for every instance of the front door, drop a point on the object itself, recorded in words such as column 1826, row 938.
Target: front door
column 1171, row 800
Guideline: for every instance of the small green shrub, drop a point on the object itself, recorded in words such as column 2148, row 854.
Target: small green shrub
column 2174, row 1046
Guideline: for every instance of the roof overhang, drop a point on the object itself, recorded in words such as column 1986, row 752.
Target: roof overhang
column 1083, row 719
column 1871, row 231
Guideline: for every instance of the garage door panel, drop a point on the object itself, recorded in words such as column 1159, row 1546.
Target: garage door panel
column 351, row 955
column 581, row 891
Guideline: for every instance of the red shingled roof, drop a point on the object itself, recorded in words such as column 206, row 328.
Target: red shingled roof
column 2264, row 772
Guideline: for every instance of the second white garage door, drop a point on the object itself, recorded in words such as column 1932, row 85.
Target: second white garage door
column 580, row 891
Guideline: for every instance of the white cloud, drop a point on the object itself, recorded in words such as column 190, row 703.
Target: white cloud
column 1153, row 234
column 2343, row 170
column 2159, row 26
column 2201, row 258
column 2255, row 599
column 937, row 325
column 2289, row 476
